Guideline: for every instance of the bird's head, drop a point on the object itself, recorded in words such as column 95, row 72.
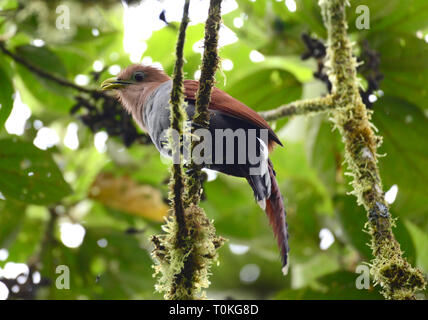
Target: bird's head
column 135, row 77
column 133, row 85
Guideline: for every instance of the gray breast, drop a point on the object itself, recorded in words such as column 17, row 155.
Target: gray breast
column 156, row 113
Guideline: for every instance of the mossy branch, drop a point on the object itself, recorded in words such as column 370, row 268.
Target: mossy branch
column 185, row 265
column 301, row 107
column 206, row 82
column 189, row 245
column 184, row 269
column 398, row 279
column 166, row 246
column 178, row 117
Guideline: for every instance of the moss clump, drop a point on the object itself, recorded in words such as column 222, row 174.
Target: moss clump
column 398, row 279
column 302, row 107
column 184, row 267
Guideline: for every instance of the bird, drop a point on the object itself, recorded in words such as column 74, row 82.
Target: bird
column 144, row 91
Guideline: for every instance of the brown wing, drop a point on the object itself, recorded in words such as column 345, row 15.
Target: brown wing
column 223, row 102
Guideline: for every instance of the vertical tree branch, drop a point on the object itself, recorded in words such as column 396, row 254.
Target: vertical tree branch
column 168, row 247
column 399, row 280
column 189, row 246
column 203, row 96
column 178, row 117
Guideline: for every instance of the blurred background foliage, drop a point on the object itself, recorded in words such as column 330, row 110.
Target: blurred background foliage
column 77, row 196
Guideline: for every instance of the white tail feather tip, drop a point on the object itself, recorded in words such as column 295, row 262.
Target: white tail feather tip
column 285, row 270
column 262, row 203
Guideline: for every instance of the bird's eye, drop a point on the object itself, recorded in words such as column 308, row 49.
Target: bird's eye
column 139, row 76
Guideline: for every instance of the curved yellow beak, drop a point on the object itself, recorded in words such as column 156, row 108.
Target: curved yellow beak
column 113, row 83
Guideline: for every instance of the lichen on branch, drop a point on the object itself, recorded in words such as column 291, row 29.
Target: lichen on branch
column 184, row 270
column 203, row 96
column 398, row 279
column 188, row 247
column 178, row 117
column 301, row 107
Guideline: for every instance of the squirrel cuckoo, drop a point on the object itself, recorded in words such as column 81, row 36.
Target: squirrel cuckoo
column 144, row 91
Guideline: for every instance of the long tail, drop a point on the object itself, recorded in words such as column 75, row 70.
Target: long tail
column 275, row 210
column 269, row 197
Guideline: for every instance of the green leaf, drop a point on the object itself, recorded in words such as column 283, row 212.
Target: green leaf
column 29, row 174
column 145, row 165
column 420, row 239
column 27, row 240
column 75, row 60
column 402, row 16
column 231, row 204
column 6, row 92
column 338, row 285
column 11, row 217
column 47, row 92
column 133, row 275
column 404, row 66
column 272, row 29
column 266, row 88
column 325, row 150
column 225, row 279
column 239, row 54
column 86, row 164
column 353, row 218
column 44, row 58
column 120, row 270
column 403, row 127
column 165, row 53
column 306, row 273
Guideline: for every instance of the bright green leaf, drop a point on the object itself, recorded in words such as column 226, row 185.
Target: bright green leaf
column 6, row 92
column 29, row 174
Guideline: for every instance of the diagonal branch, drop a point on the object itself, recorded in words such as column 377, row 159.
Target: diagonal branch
column 44, row 74
column 398, row 279
column 301, row 107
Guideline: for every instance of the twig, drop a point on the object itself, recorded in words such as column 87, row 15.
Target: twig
column 301, row 107
column 398, row 279
column 95, row 119
column 45, row 74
